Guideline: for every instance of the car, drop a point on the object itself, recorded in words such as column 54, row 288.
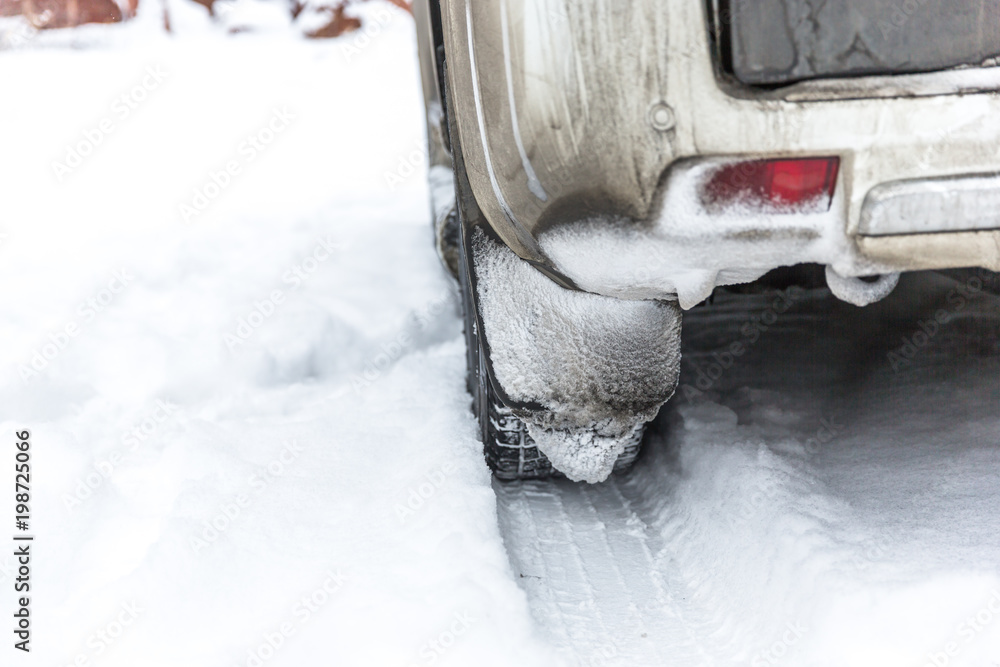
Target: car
column 599, row 167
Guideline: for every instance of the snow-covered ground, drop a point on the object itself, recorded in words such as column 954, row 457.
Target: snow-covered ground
column 305, row 464
column 243, row 372
column 824, row 496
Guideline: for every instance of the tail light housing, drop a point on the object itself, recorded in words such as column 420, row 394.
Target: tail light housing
column 800, row 185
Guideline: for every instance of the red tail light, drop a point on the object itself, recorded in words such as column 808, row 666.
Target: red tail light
column 776, row 186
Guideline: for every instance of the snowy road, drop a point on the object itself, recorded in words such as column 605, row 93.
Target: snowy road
column 253, row 446
column 818, row 498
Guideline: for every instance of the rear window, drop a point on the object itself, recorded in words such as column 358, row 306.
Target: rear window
column 776, row 42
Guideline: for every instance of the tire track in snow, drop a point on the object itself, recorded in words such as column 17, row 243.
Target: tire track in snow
column 726, row 540
column 650, row 592
column 551, row 567
column 664, row 601
column 630, row 565
column 583, row 557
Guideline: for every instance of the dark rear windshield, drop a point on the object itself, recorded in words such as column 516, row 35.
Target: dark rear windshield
column 775, row 42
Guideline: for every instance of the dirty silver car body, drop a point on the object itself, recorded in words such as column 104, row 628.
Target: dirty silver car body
column 602, row 114
column 658, row 150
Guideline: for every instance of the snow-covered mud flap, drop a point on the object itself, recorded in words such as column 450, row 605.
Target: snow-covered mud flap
column 563, row 382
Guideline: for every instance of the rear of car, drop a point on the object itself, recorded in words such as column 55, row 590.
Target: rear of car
column 657, row 150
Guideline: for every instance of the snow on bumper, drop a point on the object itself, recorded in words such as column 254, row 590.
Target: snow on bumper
column 687, row 249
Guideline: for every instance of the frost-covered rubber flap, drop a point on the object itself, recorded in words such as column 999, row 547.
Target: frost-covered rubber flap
column 597, row 366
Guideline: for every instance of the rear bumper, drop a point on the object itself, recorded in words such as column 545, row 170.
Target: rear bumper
column 576, row 164
column 955, row 204
column 688, row 250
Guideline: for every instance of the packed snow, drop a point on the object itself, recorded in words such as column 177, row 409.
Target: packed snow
column 822, row 490
column 860, row 292
column 256, row 449
column 252, row 444
column 685, row 250
column 598, row 368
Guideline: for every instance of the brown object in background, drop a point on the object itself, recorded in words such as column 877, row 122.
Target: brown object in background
column 338, row 25
column 10, row 7
column 45, row 14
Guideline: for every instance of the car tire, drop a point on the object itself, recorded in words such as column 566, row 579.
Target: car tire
column 510, row 451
